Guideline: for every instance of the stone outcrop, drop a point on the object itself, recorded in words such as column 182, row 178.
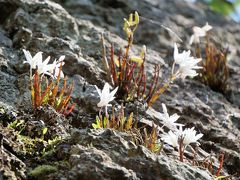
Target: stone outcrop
column 73, row 28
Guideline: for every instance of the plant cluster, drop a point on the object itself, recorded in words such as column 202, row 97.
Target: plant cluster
column 214, row 72
column 176, row 136
column 48, row 91
column 119, row 121
column 127, row 72
column 127, row 75
column 116, row 121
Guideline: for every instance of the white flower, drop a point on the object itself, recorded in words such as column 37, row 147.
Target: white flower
column 187, row 64
column 57, row 65
column 105, row 95
column 44, row 68
column 199, row 32
column 207, row 27
column 169, row 121
column 189, row 68
column 170, row 138
column 32, row 61
column 189, row 136
column 37, row 62
column 179, row 57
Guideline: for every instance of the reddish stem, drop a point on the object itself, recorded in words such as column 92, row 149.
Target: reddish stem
column 181, row 149
column 221, row 159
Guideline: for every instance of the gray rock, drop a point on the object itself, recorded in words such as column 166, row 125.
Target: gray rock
column 74, row 30
column 115, row 149
column 90, row 163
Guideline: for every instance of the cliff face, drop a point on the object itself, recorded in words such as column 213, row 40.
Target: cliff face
column 73, row 28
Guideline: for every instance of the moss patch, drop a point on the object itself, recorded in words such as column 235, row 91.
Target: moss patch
column 42, row 170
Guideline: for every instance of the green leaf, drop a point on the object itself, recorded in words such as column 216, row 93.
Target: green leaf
column 44, row 131
column 15, row 123
column 95, row 126
column 98, row 124
column 222, row 6
column 105, row 122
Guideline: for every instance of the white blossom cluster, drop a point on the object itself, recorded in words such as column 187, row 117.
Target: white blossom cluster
column 43, row 67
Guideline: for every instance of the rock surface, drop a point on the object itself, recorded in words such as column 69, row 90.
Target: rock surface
column 74, row 28
column 124, row 160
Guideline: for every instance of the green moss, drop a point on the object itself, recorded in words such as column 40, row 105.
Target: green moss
column 42, row 170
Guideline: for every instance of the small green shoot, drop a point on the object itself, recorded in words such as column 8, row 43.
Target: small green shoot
column 44, row 131
column 119, row 122
column 15, row 124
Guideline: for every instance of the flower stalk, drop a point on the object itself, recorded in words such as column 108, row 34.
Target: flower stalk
column 161, row 90
column 181, row 149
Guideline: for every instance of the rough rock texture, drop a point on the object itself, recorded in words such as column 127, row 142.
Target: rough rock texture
column 74, row 28
column 107, row 154
column 136, row 158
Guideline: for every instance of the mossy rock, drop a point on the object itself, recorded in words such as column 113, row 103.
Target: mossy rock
column 40, row 171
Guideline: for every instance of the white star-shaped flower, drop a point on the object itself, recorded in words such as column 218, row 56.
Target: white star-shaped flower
column 169, row 121
column 199, row 32
column 179, row 57
column 170, row 138
column 189, row 136
column 187, row 64
column 44, row 68
column 106, row 96
column 32, row 61
column 57, row 65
